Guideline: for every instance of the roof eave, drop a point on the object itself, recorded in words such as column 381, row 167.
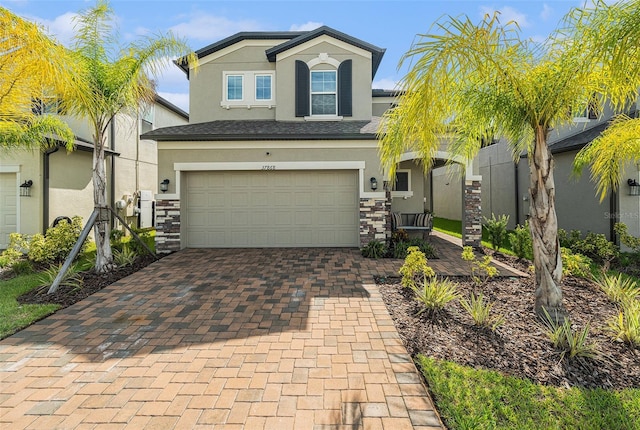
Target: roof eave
column 241, row 137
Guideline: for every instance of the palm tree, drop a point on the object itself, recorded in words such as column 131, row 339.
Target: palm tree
column 108, row 85
column 31, row 66
column 471, row 82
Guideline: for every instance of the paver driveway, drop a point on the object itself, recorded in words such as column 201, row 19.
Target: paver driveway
column 276, row 339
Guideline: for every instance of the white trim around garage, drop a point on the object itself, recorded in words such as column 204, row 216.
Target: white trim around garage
column 273, row 166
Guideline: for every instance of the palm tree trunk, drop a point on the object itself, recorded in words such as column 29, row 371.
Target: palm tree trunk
column 101, row 230
column 544, row 230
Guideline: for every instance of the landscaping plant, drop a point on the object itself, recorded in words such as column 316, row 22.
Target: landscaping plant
column 619, row 289
column 496, row 229
column 434, row 294
column 124, row 257
column 482, row 270
column 571, row 344
column 627, row 239
column 415, row 268
column 626, row 325
column 575, row 264
column 480, row 312
column 374, row 249
column 521, row 241
column 70, row 279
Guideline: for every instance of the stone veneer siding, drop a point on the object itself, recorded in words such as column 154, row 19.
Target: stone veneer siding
column 374, row 220
column 472, row 223
column 167, row 226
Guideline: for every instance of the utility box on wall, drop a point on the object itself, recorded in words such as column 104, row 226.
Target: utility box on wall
column 145, row 205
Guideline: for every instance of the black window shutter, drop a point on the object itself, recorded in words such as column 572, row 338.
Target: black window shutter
column 302, row 88
column 345, row 105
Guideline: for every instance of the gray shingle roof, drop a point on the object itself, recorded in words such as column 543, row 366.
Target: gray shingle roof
column 231, row 130
column 293, row 38
column 579, row 140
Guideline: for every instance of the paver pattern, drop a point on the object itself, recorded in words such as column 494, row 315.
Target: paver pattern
column 224, row 339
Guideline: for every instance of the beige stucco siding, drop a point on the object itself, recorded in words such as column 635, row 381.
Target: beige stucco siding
column 309, row 151
column 498, row 182
column 70, row 185
column 415, row 203
column 629, row 212
column 206, row 86
column 285, row 77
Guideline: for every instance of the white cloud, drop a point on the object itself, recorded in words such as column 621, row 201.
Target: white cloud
column 385, row 84
column 547, row 12
column 210, row 28
column 61, row 27
column 507, row 14
column 172, row 75
column 179, row 99
column 307, row 26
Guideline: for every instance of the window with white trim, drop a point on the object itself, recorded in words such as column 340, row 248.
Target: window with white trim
column 234, row 87
column 324, row 92
column 402, row 184
column 248, row 89
column 263, row 87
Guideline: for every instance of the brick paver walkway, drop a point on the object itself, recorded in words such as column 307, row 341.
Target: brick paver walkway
column 224, row 339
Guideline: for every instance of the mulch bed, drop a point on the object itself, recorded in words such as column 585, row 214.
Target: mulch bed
column 520, row 346
column 93, row 282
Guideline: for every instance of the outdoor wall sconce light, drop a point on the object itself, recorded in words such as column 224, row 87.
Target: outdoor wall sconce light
column 374, row 183
column 25, row 188
column 634, row 187
column 164, row 185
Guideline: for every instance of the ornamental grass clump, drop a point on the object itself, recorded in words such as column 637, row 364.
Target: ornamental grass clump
column 618, row 288
column 480, row 312
column 496, row 228
column 434, row 294
column 626, row 325
column 571, row 344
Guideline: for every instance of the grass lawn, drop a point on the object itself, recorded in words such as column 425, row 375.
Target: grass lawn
column 14, row 316
column 454, row 228
column 480, row 399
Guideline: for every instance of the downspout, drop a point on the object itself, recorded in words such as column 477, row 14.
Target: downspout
column 45, row 188
column 517, row 190
column 112, row 185
column 613, row 216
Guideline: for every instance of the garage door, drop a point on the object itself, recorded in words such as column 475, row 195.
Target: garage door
column 8, row 207
column 271, row 209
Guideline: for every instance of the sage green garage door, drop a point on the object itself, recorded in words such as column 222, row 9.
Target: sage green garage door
column 8, row 207
column 241, row 209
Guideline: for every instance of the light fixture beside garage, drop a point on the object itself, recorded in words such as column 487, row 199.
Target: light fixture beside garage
column 164, row 185
column 374, row 183
column 25, row 188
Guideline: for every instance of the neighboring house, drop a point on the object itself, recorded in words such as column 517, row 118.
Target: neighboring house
column 281, row 148
column 60, row 183
column 506, row 184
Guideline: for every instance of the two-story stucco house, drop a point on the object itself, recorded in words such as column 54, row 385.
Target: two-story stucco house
column 37, row 187
column 281, row 148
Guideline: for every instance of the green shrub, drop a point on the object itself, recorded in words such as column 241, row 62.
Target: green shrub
column 481, row 271
column 568, row 239
column 16, row 250
column 374, row 249
column 618, row 288
column 400, row 249
column 56, row 245
column 595, row 246
column 521, row 242
column 415, row 268
column 571, row 344
column 148, row 237
column 627, row 239
column 480, row 312
column 496, row 229
column 22, row 267
column 434, row 294
column 575, row 264
column 626, row 325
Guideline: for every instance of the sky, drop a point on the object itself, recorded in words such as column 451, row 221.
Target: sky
column 390, row 24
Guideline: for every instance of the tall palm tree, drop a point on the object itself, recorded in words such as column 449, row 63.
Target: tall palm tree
column 31, row 66
column 472, row 82
column 107, row 85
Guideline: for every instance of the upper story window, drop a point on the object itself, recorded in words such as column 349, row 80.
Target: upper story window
column 248, row 89
column 47, row 105
column 234, row 87
column 323, row 88
column 324, row 92
column 146, row 119
column 263, row 87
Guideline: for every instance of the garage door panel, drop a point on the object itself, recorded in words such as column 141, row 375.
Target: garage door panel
column 272, row 208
